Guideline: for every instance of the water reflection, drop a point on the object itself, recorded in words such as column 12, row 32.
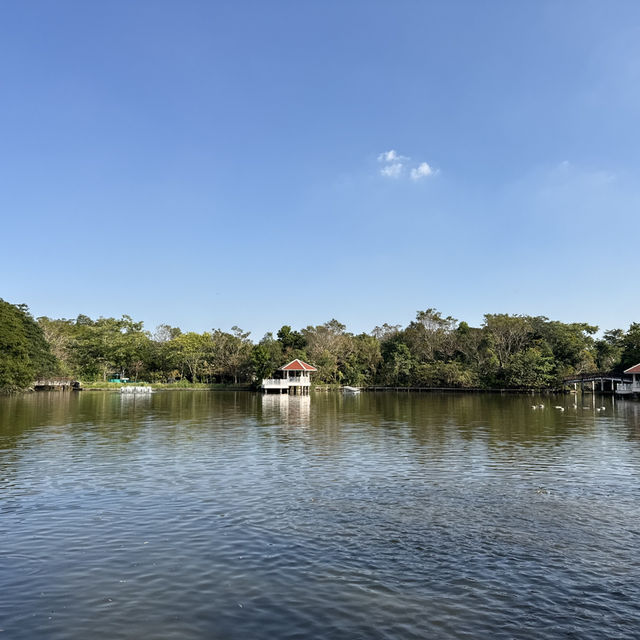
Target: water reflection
column 282, row 409
column 236, row 515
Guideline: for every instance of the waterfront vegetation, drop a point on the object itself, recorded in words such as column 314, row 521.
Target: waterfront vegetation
column 506, row 351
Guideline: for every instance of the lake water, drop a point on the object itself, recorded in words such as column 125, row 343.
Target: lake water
column 195, row 514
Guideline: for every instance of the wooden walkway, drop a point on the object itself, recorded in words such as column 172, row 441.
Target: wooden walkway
column 606, row 381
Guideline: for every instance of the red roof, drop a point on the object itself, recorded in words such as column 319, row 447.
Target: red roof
column 634, row 369
column 297, row 365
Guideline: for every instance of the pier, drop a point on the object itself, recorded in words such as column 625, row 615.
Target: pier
column 599, row 382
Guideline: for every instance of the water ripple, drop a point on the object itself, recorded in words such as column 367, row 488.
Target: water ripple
column 226, row 516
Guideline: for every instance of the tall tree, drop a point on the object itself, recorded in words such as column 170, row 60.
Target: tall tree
column 24, row 352
column 507, row 335
column 191, row 350
column 399, row 363
column 329, row 348
column 609, row 350
column 232, row 353
column 290, row 340
column 431, row 336
column 361, row 366
column 630, row 347
column 266, row 357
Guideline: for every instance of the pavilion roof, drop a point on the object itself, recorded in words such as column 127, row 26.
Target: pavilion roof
column 297, row 365
column 634, row 369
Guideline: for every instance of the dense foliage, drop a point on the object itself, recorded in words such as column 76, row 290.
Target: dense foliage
column 506, row 351
column 24, row 352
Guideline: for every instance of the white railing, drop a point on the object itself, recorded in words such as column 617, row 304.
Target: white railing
column 285, row 383
column 628, row 387
column 299, row 382
column 275, row 383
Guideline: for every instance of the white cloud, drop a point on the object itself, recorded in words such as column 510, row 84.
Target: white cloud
column 394, row 166
column 389, row 156
column 392, row 170
column 421, row 171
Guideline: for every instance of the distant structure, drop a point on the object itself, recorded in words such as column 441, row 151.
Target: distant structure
column 629, row 388
column 294, row 378
column 598, row 382
column 117, row 377
column 56, row 384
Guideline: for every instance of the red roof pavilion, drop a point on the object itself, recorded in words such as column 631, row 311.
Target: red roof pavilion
column 299, row 365
column 634, row 369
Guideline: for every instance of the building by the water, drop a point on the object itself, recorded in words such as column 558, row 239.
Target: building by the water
column 294, row 378
column 627, row 388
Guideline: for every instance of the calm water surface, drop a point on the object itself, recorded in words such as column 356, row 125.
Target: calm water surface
column 230, row 515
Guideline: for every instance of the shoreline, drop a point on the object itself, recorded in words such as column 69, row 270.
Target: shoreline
column 319, row 389
column 160, row 386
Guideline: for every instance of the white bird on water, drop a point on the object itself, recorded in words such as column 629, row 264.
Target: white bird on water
column 559, row 408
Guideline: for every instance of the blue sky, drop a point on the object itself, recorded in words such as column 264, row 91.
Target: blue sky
column 206, row 164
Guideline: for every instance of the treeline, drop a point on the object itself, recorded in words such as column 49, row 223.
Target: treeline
column 506, row 351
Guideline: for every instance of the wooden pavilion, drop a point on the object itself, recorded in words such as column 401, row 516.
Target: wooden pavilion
column 293, row 378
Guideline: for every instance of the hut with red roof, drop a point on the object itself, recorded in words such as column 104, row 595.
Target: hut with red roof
column 634, row 385
column 293, row 378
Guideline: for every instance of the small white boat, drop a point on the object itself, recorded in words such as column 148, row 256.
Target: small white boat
column 351, row 389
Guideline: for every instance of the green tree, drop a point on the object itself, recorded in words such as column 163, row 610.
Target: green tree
column 107, row 345
column 329, row 348
column 530, row 368
column 386, row 331
column 398, row 365
column 360, row 367
column 266, row 357
column 163, row 364
column 191, row 350
column 609, row 350
column 506, row 335
column 24, row 352
column 290, row 340
column 473, row 353
column 431, row 337
column 443, row 374
column 232, row 354
column 630, row 355
column 572, row 345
